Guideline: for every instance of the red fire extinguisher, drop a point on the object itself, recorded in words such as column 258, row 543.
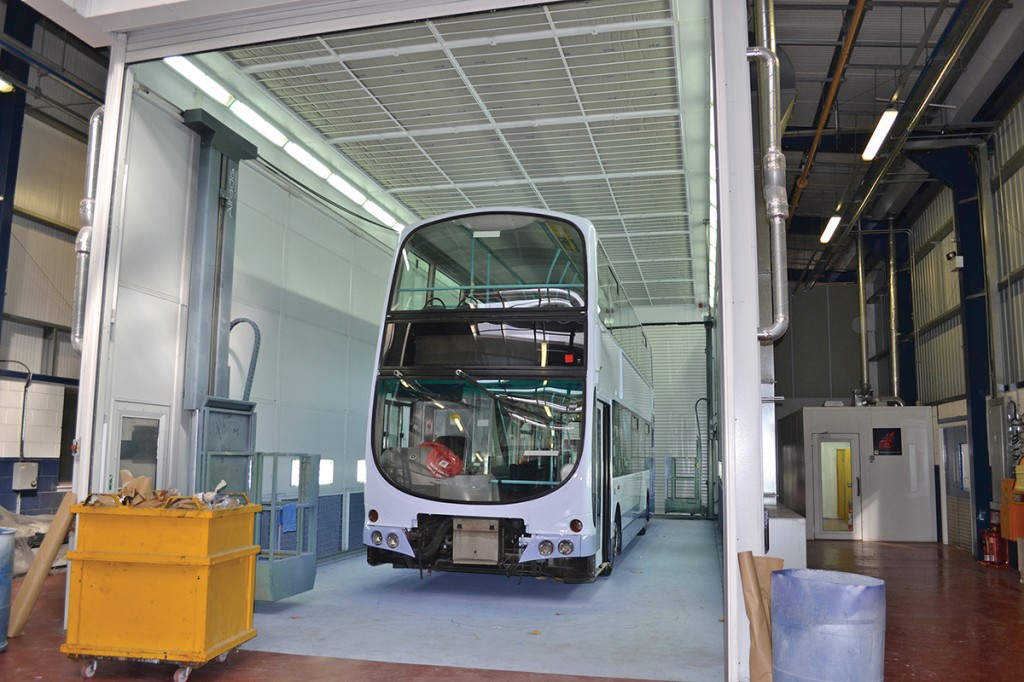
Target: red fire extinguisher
column 993, row 549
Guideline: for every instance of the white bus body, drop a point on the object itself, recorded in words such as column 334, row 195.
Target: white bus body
column 510, row 431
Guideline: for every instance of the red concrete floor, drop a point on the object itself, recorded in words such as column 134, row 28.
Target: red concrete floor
column 35, row 656
column 948, row 617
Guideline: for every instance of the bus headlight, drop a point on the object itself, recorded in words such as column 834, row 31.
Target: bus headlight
column 565, row 547
column 376, row 537
column 546, row 547
column 392, row 540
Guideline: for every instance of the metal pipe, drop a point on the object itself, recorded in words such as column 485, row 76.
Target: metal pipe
column 894, row 356
column 83, row 243
column 773, row 181
column 865, row 384
column 251, row 374
column 830, row 98
column 929, row 83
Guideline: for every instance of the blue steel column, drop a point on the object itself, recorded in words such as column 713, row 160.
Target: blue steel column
column 954, row 167
column 20, row 24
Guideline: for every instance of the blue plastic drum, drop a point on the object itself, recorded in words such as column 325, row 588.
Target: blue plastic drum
column 827, row 625
column 6, row 576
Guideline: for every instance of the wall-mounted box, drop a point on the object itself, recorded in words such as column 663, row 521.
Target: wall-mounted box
column 26, row 476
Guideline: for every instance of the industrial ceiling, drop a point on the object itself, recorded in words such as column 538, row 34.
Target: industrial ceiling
column 602, row 109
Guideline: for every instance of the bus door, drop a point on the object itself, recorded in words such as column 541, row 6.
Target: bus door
column 603, row 477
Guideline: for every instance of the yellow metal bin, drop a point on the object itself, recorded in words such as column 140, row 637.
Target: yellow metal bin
column 161, row 584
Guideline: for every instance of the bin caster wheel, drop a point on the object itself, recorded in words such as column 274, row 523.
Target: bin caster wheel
column 223, row 657
column 181, row 674
column 89, row 669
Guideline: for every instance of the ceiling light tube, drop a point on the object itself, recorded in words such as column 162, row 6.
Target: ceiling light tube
column 261, row 125
column 313, row 164
column 830, row 229
column 379, row 213
column 195, row 75
column 6, row 86
column 881, row 132
column 342, row 185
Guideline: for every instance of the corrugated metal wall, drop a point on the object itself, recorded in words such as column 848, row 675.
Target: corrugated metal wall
column 51, row 174
column 1008, row 180
column 936, row 292
column 679, row 356
column 41, row 269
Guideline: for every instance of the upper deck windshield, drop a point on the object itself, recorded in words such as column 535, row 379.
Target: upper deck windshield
column 492, row 260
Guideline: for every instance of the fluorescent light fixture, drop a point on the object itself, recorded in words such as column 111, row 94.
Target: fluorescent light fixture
column 380, row 214
column 5, row 86
column 342, row 185
column 313, row 164
column 326, row 471
column 195, row 75
column 258, row 123
column 830, row 229
column 881, row 132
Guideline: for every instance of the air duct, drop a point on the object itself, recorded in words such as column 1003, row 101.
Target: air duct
column 773, row 170
column 83, row 244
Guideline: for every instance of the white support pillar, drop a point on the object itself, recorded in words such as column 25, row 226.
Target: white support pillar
column 738, row 316
column 88, row 428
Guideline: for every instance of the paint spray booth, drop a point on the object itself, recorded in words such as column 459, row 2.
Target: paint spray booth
column 860, row 473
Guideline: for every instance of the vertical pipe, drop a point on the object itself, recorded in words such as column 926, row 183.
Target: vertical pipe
column 865, row 384
column 894, row 356
column 83, row 243
column 773, row 183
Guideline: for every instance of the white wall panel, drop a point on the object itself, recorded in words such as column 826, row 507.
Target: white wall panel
column 146, row 347
column 317, row 283
column 316, row 291
column 312, row 367
column 259, row 251
column 157, row 215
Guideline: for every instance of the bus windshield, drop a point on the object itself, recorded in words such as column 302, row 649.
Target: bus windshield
column 493, row 260
column 477, row 440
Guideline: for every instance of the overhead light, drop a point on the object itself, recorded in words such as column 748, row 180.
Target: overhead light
column 5, row 86
column 195, row 75
column 380, row 214
column 342, row 185
column 881, row 132
column 313, row 164
column 258, row 123
column 830, row 229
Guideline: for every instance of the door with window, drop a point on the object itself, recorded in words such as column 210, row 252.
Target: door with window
column 837, row 486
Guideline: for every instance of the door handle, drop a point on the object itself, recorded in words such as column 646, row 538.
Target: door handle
column 858, row 486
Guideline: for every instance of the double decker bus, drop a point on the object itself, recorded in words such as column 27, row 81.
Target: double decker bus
column 512, row 421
